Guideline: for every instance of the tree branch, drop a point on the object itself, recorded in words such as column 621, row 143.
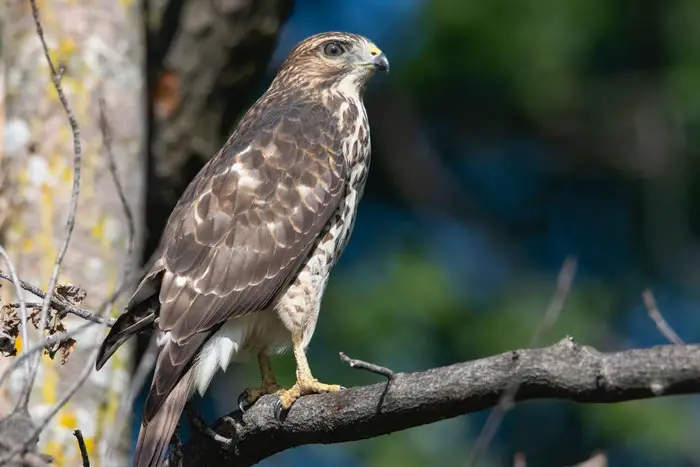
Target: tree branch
column 565, row 281
column 63, row 306
column 565, row 370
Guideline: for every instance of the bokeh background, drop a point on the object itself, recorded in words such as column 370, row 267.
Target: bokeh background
column 507, row 136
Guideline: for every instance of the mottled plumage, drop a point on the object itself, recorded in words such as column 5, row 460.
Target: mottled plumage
column 247, row 251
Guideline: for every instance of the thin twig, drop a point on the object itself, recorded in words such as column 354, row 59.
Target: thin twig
column 60, row 304
column 25, row 285
column 92, row 318
column 79, row 383
column 73, row 207
column 21, row 447
column 29, row 305
column 565, row 280
column 71, row 392
column 39, row 346
column 664, row 328
column 83, row 449
column 106, row 130
column 371, row 367
column 22, row 304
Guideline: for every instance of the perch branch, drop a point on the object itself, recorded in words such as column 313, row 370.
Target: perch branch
column 565, row 280
column 565, row 370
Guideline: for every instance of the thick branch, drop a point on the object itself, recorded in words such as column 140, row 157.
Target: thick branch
column 563, row 371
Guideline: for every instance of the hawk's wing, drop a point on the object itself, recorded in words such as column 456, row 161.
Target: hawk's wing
column 253, row 218
column 239, row 234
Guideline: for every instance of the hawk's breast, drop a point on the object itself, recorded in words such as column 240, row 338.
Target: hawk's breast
column 356, row 151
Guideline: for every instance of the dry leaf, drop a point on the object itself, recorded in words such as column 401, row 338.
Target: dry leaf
column 9, row 330
column 67, row 347
column 7, row 344
column 71, row 293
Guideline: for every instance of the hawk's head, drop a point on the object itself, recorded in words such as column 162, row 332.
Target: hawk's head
column 332, row 59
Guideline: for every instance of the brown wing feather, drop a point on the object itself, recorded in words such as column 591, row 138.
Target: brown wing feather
column 243, row 231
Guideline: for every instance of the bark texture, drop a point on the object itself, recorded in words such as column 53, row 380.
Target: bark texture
column 99, row 46
column 565, row 370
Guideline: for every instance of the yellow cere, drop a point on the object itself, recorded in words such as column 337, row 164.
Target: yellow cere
column 374, row 50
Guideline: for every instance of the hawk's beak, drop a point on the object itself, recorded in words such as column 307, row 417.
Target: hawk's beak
column 381, row 63
column 379, row 60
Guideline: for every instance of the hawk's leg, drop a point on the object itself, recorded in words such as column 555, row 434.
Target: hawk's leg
column 269, row 384
column 306, row 383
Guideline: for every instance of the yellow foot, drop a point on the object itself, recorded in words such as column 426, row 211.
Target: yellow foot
column 287, row 397
column 250, row 395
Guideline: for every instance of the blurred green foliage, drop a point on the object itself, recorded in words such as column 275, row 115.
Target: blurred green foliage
column 535, row 53
column 498, row 71
column 520, row 64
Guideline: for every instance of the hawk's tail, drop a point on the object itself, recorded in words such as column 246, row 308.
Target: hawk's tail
column 155, row 436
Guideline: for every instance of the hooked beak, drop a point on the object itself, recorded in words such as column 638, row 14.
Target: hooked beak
column 380, row 63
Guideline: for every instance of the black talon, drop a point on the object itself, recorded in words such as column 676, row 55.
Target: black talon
column 279, row 412
column 243, row 401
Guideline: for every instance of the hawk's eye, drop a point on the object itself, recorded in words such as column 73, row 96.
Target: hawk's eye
column 333, row 49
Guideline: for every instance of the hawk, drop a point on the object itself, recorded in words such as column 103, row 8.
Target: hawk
column 247, row 251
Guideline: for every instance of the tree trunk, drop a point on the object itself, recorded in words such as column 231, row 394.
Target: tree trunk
column 99, row 45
